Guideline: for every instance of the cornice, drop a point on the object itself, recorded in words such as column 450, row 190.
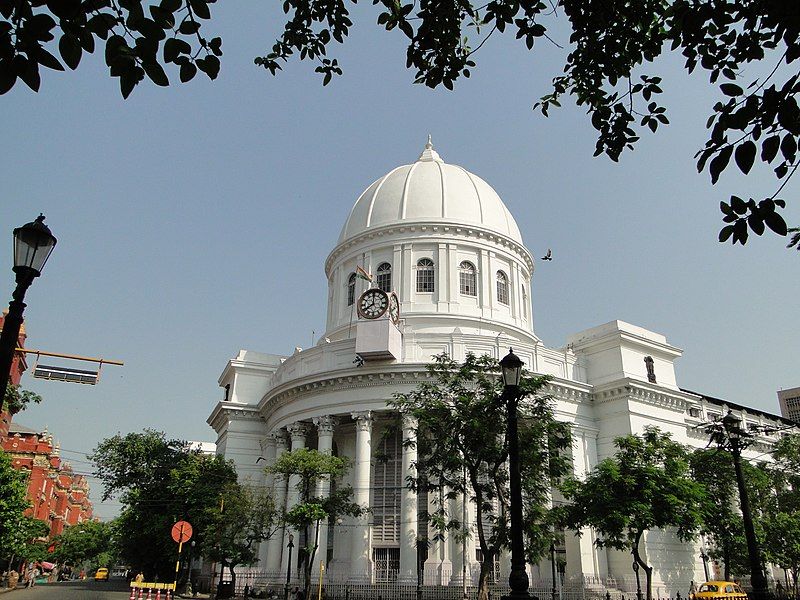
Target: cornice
column 346, row 379
column 568, row 392
column 225, row 411
column 648, row 394
column 443, row 229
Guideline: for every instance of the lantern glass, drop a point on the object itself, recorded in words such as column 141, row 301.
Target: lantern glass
column 511, row 367
column 33, row 244
column 732, row 425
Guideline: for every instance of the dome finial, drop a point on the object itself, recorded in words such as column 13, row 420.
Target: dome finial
column 429, row 154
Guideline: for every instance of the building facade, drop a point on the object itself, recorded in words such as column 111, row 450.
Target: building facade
column 789, row 401
column 455, row 277
column 58, row 495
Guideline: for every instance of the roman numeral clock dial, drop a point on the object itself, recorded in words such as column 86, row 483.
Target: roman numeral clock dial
column 373, row 304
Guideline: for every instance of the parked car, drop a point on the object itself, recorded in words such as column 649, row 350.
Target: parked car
column 101, row 574
column 720, row 590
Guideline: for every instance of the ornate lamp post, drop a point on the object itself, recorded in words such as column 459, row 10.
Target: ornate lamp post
column 33, row 244
column 511, row 367
column 735, row 439
column 290, row 545
column 638, row 581
column 704, row 558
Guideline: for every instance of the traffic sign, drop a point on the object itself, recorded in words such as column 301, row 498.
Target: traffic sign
column 181, row 531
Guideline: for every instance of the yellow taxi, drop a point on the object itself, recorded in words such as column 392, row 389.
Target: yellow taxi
column 101, row 574
column 720, row 590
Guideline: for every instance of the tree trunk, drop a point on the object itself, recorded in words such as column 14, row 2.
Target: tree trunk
column 726, row 557
column 648, row 570
column 233, row 578
column 483, row 578
column 310, row 559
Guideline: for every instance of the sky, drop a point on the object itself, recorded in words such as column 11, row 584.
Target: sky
column 194, row 221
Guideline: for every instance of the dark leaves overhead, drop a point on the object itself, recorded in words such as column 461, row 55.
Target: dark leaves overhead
column 755, row 123
column 36, row 33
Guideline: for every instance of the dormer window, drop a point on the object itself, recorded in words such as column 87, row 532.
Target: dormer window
column 351, row 289
column 385, row 277
column 502, row 288
column 425, row 276
column 467, row 279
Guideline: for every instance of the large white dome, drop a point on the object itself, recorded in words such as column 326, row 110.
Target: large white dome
column 431, row 191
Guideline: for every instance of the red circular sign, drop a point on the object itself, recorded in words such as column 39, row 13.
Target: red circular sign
column 182, row 531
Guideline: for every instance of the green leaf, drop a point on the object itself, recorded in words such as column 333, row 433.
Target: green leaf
column 48, row 60
column 156, row 73
column 187, row 72
column 776, row 223
column 70, row 50
column 745, row 156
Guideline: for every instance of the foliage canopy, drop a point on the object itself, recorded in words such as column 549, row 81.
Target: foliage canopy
column 645, row 485
column 757, row 119
column 460, row 432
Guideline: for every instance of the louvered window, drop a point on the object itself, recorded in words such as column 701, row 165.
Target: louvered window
column 387, row 481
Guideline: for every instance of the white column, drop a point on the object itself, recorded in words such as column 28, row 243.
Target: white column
column 438, row 566
column 325, row 426
column 361, row 565
column 275, row 545
column 462, row 552
column 268, row 448
column 297, row 432
column 408, row 508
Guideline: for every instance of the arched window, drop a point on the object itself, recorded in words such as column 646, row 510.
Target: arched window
column 466, row 278
column 385, row 277
column 351, row 289
column 425, row 275
column 502, row 288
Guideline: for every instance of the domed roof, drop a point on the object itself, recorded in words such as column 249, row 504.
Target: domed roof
column 432, row 191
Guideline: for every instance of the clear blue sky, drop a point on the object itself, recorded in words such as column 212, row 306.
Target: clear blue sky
column 194, row 220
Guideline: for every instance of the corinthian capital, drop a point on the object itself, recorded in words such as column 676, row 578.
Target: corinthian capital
column 325, row 424
column 363, row 420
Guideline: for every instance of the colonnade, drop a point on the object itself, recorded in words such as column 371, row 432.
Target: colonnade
column 448, row 562
column 356, row 560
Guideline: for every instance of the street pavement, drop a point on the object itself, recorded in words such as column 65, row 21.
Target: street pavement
column 116, row 589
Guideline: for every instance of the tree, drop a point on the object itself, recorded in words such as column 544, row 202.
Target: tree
column 86, row 544
column 17, row 399
column 721, row 522
column 311, row 511
column 645, row 485
column 159, row 482
column 13, row 503
column 609, row 44
column 782, row 526
column 245, row 517
column 460, row 436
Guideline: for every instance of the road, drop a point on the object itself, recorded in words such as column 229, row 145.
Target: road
column 116, row 589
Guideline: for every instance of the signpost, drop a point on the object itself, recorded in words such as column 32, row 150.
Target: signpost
column 181, row 532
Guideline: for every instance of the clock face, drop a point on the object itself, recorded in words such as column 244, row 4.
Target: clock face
column 394, row 308
column 373, row 303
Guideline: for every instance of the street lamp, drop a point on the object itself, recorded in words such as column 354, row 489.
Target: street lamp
column 638, row 581
column 33, row 244
column 290, row 545
column 511, row 368
column 735, row 439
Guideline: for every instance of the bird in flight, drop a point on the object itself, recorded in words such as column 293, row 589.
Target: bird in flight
column 549, row 255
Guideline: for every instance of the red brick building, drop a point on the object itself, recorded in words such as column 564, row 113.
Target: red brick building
column 18, row 367
column 58, row 495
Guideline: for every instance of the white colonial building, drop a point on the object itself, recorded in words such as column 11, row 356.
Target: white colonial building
column 457, row 278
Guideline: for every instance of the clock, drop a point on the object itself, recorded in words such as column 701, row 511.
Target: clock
column 394, row 308
column 373, row 303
